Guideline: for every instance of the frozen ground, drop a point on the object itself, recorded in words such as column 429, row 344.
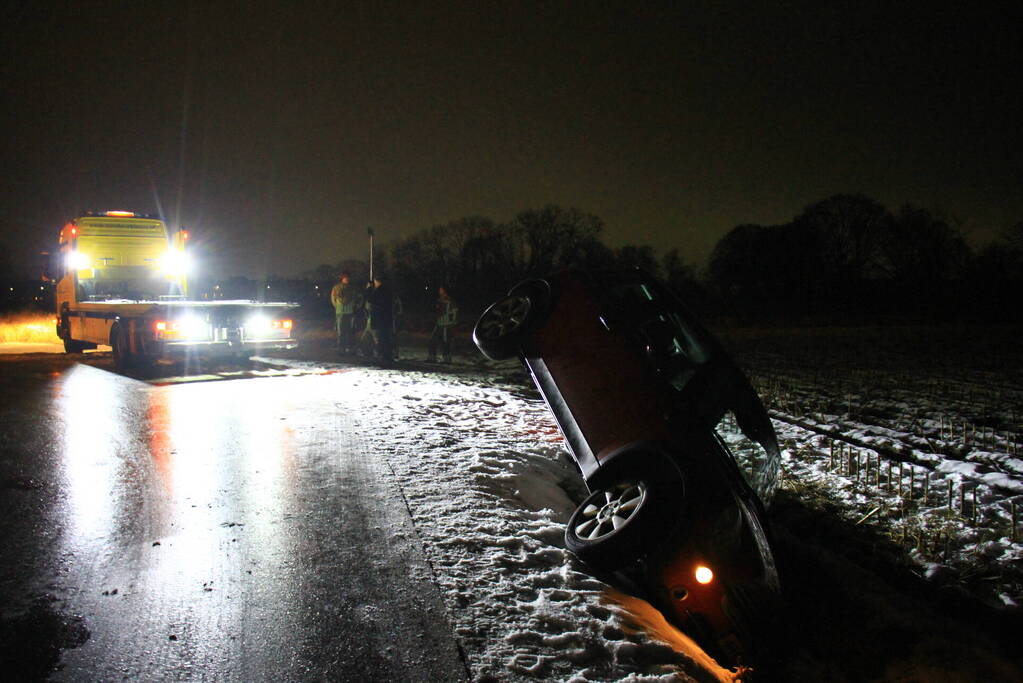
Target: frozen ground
column 484, row 473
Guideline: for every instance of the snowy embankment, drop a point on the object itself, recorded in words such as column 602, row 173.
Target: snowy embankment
column 481, row 466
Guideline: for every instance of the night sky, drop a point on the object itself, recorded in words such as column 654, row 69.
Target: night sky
column 279, row 131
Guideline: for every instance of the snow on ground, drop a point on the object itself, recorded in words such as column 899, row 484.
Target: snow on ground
column 483, row 472
column 920, row 443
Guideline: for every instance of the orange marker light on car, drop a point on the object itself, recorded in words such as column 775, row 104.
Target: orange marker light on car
column 704, row 575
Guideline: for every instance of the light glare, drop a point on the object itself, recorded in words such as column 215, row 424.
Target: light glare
column 175, row 262
column 76, row 260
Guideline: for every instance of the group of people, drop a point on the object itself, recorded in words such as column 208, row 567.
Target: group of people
column 383, row 311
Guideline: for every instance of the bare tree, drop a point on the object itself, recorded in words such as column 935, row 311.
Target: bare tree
column 847, row 233
column 920, row 248
column 556, row 237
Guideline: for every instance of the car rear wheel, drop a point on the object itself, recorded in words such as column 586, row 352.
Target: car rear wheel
column 501, row 329
column 619, row 522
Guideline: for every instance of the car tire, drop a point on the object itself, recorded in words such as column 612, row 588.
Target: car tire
column 620, row 522
column 503, row 327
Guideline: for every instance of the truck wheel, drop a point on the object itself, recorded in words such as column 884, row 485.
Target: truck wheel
column 121, row 347
column 70, row 345
column 501, row 329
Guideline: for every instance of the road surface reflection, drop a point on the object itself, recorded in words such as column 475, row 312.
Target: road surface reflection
column 91, row 405
column 177, row 501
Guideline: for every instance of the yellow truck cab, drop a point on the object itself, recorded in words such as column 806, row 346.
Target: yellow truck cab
column 122, row 281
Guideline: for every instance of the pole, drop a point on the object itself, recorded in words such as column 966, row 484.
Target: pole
column 370, row 231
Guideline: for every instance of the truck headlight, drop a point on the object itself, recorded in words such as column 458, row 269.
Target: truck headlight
column 262, row 325
column 191, row 327
column 183, row 329
column 257, row 324
column 76, row 260
column 175, row 262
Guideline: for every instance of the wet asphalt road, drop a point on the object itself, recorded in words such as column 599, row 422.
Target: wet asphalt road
column 234, row 530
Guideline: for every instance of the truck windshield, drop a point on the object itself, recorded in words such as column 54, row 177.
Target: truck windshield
column 146, row 288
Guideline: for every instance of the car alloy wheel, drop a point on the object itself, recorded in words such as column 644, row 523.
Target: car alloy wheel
column 504, row 318
column 605, row 512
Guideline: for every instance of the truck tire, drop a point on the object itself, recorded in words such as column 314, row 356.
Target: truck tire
column 64, row 332
column 72, row 346
column 120, row 344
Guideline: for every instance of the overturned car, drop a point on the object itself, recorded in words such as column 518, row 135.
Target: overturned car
column 640, row 390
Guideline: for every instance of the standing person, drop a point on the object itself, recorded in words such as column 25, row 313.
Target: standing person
column 343, row 297
column 447, row 316
column 380, row 304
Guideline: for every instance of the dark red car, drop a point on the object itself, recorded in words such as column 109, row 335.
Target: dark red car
column 639, row 388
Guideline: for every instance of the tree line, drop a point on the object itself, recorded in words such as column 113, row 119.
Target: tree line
column 844, row 258
column 848, row 257
column 478, row 259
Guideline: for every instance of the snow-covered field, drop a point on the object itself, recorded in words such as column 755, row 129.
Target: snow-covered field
column 484, row 474
column 918, row 441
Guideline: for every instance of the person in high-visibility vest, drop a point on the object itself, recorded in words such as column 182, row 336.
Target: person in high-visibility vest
column 447, row 316
column 344, row 298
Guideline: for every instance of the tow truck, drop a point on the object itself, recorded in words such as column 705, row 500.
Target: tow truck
column 122, row 281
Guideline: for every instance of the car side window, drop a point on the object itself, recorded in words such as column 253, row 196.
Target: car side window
column 660, row 330
column 671, row 348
